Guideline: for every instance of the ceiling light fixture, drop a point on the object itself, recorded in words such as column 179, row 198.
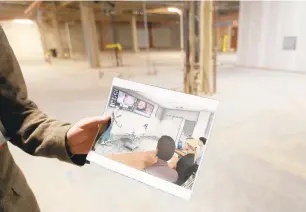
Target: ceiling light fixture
column 174, row 10
column 23, row 21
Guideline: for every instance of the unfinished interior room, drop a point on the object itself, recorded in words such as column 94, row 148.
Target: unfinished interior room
column 248, row 55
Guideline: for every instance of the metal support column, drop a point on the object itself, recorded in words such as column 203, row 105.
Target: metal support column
column 42, row 28
column 59, row 45
column 90, row 34
column 145, row 20
column 187, row 87
column 69, row 40
column 134, row 34
column 206, row 46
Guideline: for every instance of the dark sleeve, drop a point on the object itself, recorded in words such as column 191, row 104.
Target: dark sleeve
column 184, row 168
column 26, row 126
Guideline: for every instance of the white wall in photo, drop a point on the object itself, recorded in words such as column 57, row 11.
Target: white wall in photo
column 24, row 39
column 172, row 122
column 170, row 126
column 189, row 115
column 201, row 126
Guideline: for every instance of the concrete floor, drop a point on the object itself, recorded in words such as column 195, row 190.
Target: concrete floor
column 255, row 160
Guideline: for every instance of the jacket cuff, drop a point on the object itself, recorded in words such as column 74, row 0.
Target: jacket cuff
column 66, row 155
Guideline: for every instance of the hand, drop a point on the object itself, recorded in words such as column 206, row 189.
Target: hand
column 81, row 136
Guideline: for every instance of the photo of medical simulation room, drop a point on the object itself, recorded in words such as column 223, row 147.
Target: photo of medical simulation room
column 150, row 133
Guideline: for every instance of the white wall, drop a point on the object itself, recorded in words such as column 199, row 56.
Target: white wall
column 262, row 27
column 25, row 40
column 172, row 126
column 189, row 115
column 200, row 128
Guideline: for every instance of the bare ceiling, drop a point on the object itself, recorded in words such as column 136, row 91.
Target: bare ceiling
column 122, row 10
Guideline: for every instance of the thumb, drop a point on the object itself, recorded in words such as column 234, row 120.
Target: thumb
column 95, row 121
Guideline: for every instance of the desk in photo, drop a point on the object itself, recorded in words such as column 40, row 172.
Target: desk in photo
column 180, row 152
column 139, row 160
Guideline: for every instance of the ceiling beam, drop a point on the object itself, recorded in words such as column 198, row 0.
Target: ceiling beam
column 32, row 6
column 233, row 16
column 64, row 4
column 123, row 17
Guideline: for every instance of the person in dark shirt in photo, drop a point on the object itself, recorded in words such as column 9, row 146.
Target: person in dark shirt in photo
column 188, row 164
column 165, row 151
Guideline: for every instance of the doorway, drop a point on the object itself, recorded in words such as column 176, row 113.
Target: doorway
column 187, row 130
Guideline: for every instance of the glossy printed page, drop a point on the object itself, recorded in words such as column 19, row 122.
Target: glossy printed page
column 156, row 136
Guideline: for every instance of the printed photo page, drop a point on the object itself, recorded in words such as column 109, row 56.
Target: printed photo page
column 156, row 136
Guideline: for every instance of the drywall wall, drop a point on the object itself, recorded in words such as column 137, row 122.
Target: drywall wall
column 170, row 126
column 189, row 115
column 172, row 121
column 262, row 28
column 25, row 40
column 201, row 125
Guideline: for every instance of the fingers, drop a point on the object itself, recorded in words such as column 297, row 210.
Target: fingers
column 95, row 121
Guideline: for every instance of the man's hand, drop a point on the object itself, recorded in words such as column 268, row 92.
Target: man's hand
column 81, row 136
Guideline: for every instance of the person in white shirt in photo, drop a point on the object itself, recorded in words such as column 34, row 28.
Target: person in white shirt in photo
column 201, row 149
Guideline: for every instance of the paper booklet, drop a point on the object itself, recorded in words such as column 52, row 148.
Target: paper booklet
column 156, row 136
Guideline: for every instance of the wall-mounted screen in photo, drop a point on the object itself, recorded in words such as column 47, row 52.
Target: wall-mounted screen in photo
column 120, row 98
column 143, row 108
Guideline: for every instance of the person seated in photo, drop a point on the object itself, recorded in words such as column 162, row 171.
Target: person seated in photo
column 164, row 152
column 190, row 180
column 186, row 164
column 201, row 148
column 191, row 145
column 185, row 168
column 106, row 137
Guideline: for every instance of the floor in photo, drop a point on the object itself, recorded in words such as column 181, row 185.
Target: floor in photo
column 119, row 146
